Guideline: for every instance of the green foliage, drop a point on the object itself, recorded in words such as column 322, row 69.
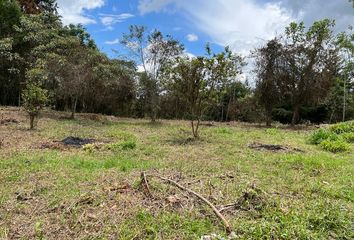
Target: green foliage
column 223, row 130
column 335, row 146
column 344, row 127
column 125, row 145
column 348, row 137
column 35, row 98
column 320, row 135
column 271, row 131
column 336, row 138
column 90, row 148
column 39, row 231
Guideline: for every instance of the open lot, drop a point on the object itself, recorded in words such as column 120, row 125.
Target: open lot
column 51, row 190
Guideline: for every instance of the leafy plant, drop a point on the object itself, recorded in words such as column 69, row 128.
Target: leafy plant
column 348, row 137
column 90, row 148
column 125, row 145
column 345, row 127
column 34, row 98
column 335, row 146
column 320, row 135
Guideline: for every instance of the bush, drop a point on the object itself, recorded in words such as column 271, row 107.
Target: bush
column 336, row 138
column 322, row 134
column 345, row 127
column 335, row 146
column 34, row 99
column 348, row 137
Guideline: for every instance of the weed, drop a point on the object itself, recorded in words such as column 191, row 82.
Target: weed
column 344, row 127
column 335, row 146
column 322, row 134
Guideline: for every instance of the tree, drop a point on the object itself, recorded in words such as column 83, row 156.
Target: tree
column 70, row 66
column 310, row 67
column 34, row 99
column 345, row 42
column 268, row 69
column 197, row 80
column 38, row 6
column 151, row 51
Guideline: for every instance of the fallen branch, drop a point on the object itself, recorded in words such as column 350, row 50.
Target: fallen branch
column 215, row 210
column 227, row 207
column 145, row 184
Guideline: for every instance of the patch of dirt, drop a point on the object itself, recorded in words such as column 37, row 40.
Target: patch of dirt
column 67, row 142
column 273, row 147
column 6, row 121
column 76, row 141
column 183, row 141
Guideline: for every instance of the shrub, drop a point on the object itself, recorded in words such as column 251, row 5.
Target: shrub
column 348, row 137
column 345, row 127
column 335, row 146
column 320, row 135
column 34, row 98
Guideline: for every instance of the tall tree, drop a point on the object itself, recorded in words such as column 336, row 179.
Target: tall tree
column 151, row 51
column 310, row 64
column 268, row 69
column 345, row 43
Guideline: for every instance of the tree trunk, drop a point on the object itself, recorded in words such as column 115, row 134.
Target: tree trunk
column 269, row 117
column 32, row 121
column 73, row 108
column 195, row 128
column 344, row 101
column 269, row 121
column 295, row 118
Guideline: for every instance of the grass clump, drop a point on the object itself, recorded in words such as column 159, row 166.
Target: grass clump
column 125, row 145
column 335, row 146
column 336, row 138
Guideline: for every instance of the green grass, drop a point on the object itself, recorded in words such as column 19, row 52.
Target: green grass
column 300, row 195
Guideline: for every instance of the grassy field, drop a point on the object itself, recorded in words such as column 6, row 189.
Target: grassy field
column 48, row 191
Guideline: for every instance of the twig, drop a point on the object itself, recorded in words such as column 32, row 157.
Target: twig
column 215, row 210
column 145, row 184
column 227, row 207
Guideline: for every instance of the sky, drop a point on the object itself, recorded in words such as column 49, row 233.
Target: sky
column 240, row 24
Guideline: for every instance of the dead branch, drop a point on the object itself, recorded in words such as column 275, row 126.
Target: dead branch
column 145, row 184
column 215, row 210
column 227, row 207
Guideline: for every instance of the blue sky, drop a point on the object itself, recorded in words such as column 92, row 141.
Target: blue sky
column 242, row 24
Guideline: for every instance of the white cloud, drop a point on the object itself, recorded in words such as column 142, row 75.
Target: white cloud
column 242, row 24
column 245, row 24
column 74, row 11
column 113, row 42
column 192, row 37
column 147, row 6
column 314, row 10
column 110, row 19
